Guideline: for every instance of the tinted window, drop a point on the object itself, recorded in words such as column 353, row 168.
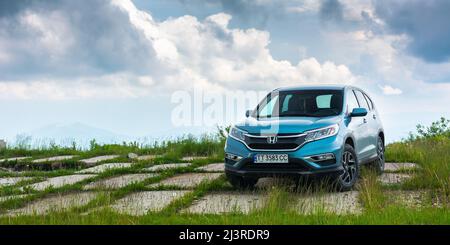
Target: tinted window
column 362, row 101
column 369, row 101
column 311, row 103
column 352, row 103
column 286, row 103
column 324, row 101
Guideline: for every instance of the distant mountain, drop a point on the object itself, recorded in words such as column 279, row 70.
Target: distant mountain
column 64, row 134
column 82, row 134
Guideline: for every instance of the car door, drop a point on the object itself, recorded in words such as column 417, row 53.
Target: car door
column 366, row 137
column 356, row 125
column 373, row 122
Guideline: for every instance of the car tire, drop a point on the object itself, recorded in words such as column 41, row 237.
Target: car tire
column 378, row 164
column 241, row 182
column 350, row 174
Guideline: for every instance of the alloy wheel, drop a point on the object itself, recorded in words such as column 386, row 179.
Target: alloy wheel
column 349, row 164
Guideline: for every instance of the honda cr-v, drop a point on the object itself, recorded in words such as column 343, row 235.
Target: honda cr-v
column 305, row 131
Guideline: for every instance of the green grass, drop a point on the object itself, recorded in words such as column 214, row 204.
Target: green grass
column 430, row 151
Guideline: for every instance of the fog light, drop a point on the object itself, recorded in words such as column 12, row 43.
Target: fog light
column 321, row 157
column 232, row 157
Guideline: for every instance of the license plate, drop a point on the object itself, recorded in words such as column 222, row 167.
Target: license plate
column 271, row 158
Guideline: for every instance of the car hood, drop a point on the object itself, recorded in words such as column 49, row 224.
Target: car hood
column 285, row 124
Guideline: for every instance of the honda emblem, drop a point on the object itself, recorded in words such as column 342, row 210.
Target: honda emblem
column 272, row 139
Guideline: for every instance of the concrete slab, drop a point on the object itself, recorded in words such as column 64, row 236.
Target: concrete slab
column 53, row 159
column 338, row 203
column 14, row 159
column 6, row 181
column 227, row 202
column 92, row 161
column 213, row 167
column 162, row 167
column 192, row 158
column 119, row 181
column 147, row 157
column 412, row 199
column 140, row 203
column 391, row 178
column 60, row 181
column 104, row 167
column 132, row 155
column 189, row 180
column 391, row 166
column 55, row 203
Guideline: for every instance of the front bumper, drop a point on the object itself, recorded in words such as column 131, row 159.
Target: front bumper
column 299, row 163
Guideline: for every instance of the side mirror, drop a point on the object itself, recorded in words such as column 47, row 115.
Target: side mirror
column 248, row 113
column 358, row 112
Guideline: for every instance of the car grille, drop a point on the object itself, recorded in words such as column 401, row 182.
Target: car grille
column 284, row 141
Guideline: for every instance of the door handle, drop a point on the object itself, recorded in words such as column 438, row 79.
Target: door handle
column 364, row 120
column 374, row 116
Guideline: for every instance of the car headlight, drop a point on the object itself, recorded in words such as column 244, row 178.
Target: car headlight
column 237, row 133
column 321, row 133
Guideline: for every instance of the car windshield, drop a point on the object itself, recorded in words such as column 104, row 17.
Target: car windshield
column 301, row 103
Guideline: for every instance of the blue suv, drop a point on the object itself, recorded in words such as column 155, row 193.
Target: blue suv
column 306, row 131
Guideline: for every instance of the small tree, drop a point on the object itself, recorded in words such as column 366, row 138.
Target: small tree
column 441, row 127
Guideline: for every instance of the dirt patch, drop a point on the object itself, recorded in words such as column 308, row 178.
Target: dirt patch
column 60, row 181
column 141, row 202
column 119, row 181
column 162, row 167
column 213, row 167
column 189, row 180
column 55, row 203
column 104, row 167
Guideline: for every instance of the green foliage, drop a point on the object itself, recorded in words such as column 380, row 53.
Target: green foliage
column 440, row 128
column 431, row 150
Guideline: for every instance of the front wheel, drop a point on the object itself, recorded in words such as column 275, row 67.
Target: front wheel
column 350, row 174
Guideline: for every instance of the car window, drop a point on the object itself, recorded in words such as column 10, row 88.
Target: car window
column 285, row 107
column 297, row 103
column 352, row 103
column 369, row 101
column 362, row 101
column 323, row 101
column 267, row 109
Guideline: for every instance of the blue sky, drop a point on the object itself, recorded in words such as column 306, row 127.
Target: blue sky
column 114, row 64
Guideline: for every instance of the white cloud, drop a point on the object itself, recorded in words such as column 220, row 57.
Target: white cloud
column 388, row 90
column 174, row 54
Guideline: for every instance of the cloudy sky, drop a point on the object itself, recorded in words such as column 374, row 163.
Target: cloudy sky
column 113, row 64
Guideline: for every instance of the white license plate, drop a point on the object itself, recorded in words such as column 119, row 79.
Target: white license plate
column 271, row 158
